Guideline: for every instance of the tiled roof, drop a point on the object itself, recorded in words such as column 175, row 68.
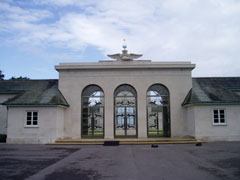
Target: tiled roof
column 32, row 92
column 214, row 91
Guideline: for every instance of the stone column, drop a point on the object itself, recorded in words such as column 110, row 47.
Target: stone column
column 109, row 113
column 142, row 116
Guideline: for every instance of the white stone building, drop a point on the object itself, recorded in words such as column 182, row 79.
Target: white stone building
column 122, row 98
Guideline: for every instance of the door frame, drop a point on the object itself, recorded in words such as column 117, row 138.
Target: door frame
column 92, row 136
column 125, row 122
column 165, row 124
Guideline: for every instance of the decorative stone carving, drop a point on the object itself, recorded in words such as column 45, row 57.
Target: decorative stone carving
column 124, row 56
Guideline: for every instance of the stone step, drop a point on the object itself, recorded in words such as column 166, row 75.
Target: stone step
column 127, row 141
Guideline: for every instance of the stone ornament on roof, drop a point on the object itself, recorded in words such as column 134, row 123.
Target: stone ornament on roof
column 124, row 56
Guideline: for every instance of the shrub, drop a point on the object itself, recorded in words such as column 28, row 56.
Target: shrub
column 3, row 137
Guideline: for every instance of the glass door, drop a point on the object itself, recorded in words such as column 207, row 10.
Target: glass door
column 130, row 121
column 125, row 121
column 120, row 121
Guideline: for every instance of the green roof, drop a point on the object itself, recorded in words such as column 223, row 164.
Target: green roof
column 32, row 92
column 219, row 90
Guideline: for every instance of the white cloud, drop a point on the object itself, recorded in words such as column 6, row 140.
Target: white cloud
column 64, row 2
column 15, row 13
column 206, row 32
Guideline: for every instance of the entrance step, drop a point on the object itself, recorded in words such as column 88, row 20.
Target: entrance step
column 127, row 141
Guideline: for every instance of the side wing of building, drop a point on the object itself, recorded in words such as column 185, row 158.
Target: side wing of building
column 32, row 111
column 213, row 109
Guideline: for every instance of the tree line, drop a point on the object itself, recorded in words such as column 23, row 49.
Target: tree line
column 13, row 78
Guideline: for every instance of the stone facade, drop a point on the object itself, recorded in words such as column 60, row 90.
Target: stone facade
column 73, row 78
column 186, row 110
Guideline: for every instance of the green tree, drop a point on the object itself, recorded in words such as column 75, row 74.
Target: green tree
column 19, row 78
column 1, row 75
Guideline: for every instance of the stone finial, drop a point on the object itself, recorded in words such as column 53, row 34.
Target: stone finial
column 124, row 56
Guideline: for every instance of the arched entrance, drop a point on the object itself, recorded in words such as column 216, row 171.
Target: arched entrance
column 125, row 105
column 92, row 112
column 158, row 111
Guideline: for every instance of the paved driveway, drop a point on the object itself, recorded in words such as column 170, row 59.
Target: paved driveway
column 140, row 162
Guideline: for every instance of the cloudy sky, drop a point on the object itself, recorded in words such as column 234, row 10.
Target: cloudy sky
column 36, row 35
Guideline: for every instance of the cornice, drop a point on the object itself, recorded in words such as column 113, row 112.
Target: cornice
column 126, row 65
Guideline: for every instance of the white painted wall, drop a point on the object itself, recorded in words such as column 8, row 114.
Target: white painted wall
column 3, row 112
column 190, row 121
column 50, row 125
column 207, row 131
column 60, row 123
column 73, row 81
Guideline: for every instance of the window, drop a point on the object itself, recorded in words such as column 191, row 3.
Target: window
column 32, row 118
column 219, row 117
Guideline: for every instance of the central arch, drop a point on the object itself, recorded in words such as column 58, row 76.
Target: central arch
column 125, row 107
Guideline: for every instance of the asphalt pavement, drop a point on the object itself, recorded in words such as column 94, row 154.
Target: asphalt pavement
column 211, row 161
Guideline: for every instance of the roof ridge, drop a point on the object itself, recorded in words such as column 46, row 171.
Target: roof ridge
column 15, row 80
column 216, row 77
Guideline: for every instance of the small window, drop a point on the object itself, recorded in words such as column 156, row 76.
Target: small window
column 219, row 117
column 32, row 118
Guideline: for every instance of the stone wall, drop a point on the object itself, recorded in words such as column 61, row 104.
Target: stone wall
column 50, row 125
column 73, row 78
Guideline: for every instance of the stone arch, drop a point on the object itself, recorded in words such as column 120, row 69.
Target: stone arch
column 158, row 111
column 92, row 108
column 125, row 111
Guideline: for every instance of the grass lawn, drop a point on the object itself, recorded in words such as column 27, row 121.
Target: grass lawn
column 96, row 132
column 150, row 132
column 155, row 132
